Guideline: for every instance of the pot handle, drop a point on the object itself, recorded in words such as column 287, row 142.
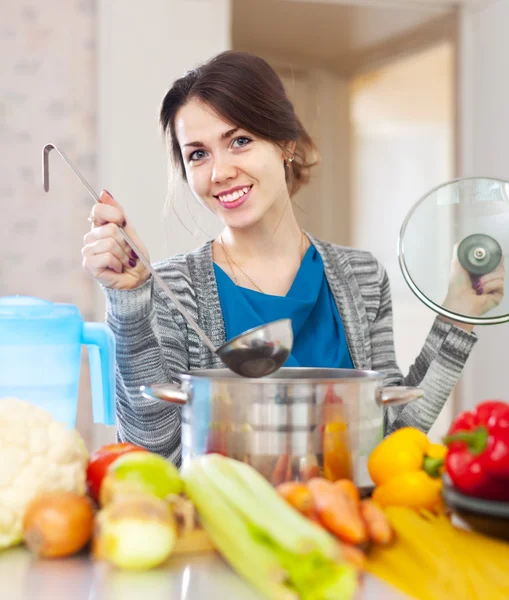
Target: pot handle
column 166, row 392
column 399, row 394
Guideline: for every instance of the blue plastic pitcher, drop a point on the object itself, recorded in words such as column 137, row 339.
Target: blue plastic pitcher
column 40, row 352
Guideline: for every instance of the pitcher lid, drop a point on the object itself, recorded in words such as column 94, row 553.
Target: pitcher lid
column 28, row 307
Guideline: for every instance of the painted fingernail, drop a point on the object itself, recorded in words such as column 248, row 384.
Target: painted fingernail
column 480, row 291
column 124, row 223
column 477, row 284
column 133, row 254
column 132, row 262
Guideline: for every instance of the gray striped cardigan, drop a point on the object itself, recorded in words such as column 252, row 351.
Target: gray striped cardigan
column 155, row 344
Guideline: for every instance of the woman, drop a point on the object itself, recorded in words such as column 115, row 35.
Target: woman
column 235, row 138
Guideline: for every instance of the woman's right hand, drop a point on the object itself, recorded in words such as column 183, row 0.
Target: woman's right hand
column 106, row 255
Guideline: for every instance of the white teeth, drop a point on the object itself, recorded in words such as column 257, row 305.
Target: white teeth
column 235, row 196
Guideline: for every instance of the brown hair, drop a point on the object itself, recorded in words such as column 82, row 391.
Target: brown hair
column 246, row 91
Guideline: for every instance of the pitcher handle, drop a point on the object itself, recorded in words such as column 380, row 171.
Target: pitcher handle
column 100, row 343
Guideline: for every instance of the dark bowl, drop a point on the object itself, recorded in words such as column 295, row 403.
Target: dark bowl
column 485, row 516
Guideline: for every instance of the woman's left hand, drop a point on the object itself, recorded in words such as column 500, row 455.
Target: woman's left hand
column 474, row 295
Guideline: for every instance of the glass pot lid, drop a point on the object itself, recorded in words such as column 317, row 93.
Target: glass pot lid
column 451, row 250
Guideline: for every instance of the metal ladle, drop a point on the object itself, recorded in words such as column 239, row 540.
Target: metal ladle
column 255, row 353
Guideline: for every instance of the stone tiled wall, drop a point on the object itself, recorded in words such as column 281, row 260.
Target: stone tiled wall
column 47, row 94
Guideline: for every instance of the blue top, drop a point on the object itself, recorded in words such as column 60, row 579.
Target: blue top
column 319, row 336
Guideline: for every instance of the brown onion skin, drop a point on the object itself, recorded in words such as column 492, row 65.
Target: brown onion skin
column 58, row 524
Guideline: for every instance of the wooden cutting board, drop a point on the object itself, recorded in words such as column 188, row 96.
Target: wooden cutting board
column 195, row 541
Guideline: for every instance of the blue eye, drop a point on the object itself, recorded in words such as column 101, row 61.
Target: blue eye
column 240, row 142
column 197, row 155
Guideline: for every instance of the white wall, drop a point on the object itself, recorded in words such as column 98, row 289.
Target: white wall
column 484, row 121
column 47, row 94
column 143, row 47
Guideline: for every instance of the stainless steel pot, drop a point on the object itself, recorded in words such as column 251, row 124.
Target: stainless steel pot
column 292, row 425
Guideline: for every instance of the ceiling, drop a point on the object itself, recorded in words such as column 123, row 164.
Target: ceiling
column 323, row 32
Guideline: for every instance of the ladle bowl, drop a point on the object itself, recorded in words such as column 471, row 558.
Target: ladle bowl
column 259, row 351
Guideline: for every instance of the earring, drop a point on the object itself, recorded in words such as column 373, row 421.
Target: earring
column 289, row 160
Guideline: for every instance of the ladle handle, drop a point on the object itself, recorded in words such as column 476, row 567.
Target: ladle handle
column 45, row 168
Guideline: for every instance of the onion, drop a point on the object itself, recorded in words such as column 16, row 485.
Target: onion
column 58, row 524
column 136, row 532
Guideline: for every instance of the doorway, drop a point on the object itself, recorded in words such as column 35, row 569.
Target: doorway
column 402, row 140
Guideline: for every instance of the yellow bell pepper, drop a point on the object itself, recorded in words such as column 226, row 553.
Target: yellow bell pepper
column 406, row 469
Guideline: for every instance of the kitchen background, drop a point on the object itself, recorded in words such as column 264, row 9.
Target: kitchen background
column 400, row 95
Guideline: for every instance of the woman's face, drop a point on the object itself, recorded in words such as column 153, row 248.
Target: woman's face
column 239, row 176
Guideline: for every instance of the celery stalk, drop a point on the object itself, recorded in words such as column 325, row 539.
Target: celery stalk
column 256, row 498
column 241, row 559
column 239, row 510
column 315, row 577
column 230, row 534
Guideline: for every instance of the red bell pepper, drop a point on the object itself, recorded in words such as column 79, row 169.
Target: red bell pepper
column 478, row 458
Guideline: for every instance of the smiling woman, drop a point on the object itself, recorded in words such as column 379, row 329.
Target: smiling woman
column 245, row 92
column 230, row 167
column 236, row 140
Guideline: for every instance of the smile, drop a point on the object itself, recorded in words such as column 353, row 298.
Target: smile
column 234, row 197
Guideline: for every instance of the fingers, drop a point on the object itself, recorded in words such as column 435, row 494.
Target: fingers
column 107, row 211
column 107, row 198
column 98, row 263
column 104, row 247
column 106, row 217
column 482, row 282
column 109, row 245
column 107, row 256
column 110, row 230
column 494, row 285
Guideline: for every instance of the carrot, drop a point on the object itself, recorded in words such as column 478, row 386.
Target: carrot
column 379, row 528
column 280, row 471
column 354, row 556
column 298, row 495
column 309, row 471
column 348, row 487
column 337, row 512
column 289, row 469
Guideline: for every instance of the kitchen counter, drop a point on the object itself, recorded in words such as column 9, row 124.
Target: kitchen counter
column 197, row 577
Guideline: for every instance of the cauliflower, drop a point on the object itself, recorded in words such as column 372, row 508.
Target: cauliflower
column 36, row 454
